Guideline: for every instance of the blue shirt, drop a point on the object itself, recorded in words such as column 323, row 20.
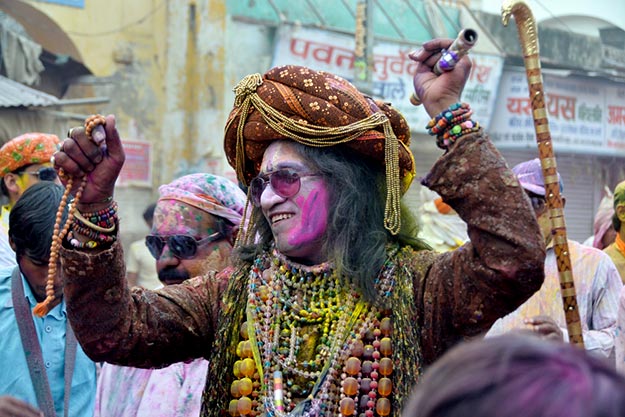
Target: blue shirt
column 14, row 375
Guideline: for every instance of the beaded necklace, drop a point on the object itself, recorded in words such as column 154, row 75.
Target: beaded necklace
column 293, row 308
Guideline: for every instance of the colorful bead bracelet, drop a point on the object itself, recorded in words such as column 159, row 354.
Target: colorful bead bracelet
column 451, row 124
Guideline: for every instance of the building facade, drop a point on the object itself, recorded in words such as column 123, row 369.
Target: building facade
column 166, row 69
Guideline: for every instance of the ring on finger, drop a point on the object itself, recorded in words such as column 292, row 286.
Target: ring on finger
column 70, row 131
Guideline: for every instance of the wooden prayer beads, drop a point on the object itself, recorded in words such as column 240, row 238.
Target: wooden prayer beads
column 42, row 308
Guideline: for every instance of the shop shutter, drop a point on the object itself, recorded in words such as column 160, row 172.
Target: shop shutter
column 582, row 188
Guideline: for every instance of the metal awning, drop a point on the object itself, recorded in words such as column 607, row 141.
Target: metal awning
column 14, row 94
column 403, row 21
column 413, row 21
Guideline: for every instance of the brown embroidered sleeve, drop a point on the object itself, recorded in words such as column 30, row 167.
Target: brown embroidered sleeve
column 123, row 326
column 466, row 290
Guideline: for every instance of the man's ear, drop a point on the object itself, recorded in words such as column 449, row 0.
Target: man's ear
column 10, row 182
column 620, row 212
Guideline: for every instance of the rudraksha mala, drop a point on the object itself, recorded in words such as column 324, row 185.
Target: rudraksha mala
column 42, row 308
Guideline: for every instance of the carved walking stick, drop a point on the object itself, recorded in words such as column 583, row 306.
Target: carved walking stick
column 528, row 35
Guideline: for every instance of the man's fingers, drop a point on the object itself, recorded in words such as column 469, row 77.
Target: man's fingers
column 76, row 152
column 75, row 131
column 98, row 134
column 423, row 56
column 61, row 160
column 436, row 45
column 114, row 147
column 433, row 59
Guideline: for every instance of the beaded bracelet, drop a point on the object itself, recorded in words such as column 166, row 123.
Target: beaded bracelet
column 107, row 229
column 446, row 140
column 445, row 124
column 451, row 124
column 104, row 220
column 106, row 212
column 92, row 234
column 456, row 112
column 90, row 244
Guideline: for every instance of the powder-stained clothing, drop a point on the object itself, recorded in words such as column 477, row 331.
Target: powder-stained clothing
column 618, row 258
column 450, row 296
column 174, row 391
column 597, row 286
column 619, row 345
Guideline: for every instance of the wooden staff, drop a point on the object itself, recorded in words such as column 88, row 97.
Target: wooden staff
column 528, row 35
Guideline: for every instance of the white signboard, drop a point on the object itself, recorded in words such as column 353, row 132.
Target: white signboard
column 393, row 70
column 585, row 116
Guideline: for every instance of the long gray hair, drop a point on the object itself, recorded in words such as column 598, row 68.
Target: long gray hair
column 355, row 239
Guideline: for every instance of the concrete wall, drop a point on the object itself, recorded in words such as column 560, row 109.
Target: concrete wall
column 162, row 64
column 559, row 47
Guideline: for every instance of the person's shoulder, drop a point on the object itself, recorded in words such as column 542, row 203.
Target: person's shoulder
column 613, row 252
column 415, row 259
column 5, row 283
column 585, row 250
column 5, row 276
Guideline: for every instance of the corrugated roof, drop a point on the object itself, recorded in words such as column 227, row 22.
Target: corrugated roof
column 14, row 94
column 412, row 21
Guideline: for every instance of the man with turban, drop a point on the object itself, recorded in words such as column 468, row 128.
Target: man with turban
column 332, row 306
column 24, row 161
column 195, row 224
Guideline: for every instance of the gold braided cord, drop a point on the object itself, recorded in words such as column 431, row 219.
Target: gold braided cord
column 320, row 136
column 392, row 210
column 245, row 87
column 317, row 136
column 240, row 157
column 244, row 237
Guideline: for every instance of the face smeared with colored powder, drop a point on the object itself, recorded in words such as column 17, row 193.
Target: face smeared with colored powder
column 298, row 223
column 172, row 217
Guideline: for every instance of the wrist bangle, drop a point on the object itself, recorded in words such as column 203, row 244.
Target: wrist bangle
column 93, row 226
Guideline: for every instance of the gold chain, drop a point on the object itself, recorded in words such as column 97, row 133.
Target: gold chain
column 320, row 136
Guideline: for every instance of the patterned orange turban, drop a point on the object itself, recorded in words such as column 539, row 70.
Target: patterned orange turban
column 316, row 108
column 27, row 149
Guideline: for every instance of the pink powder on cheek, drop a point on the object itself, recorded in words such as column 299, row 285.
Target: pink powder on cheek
column 314, row 217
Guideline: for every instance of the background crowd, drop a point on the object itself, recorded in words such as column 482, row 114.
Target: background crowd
column 281, row 301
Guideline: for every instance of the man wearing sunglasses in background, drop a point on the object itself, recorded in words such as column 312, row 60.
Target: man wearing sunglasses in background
column 597, row 283
column 194, row 227
column 24, row 161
